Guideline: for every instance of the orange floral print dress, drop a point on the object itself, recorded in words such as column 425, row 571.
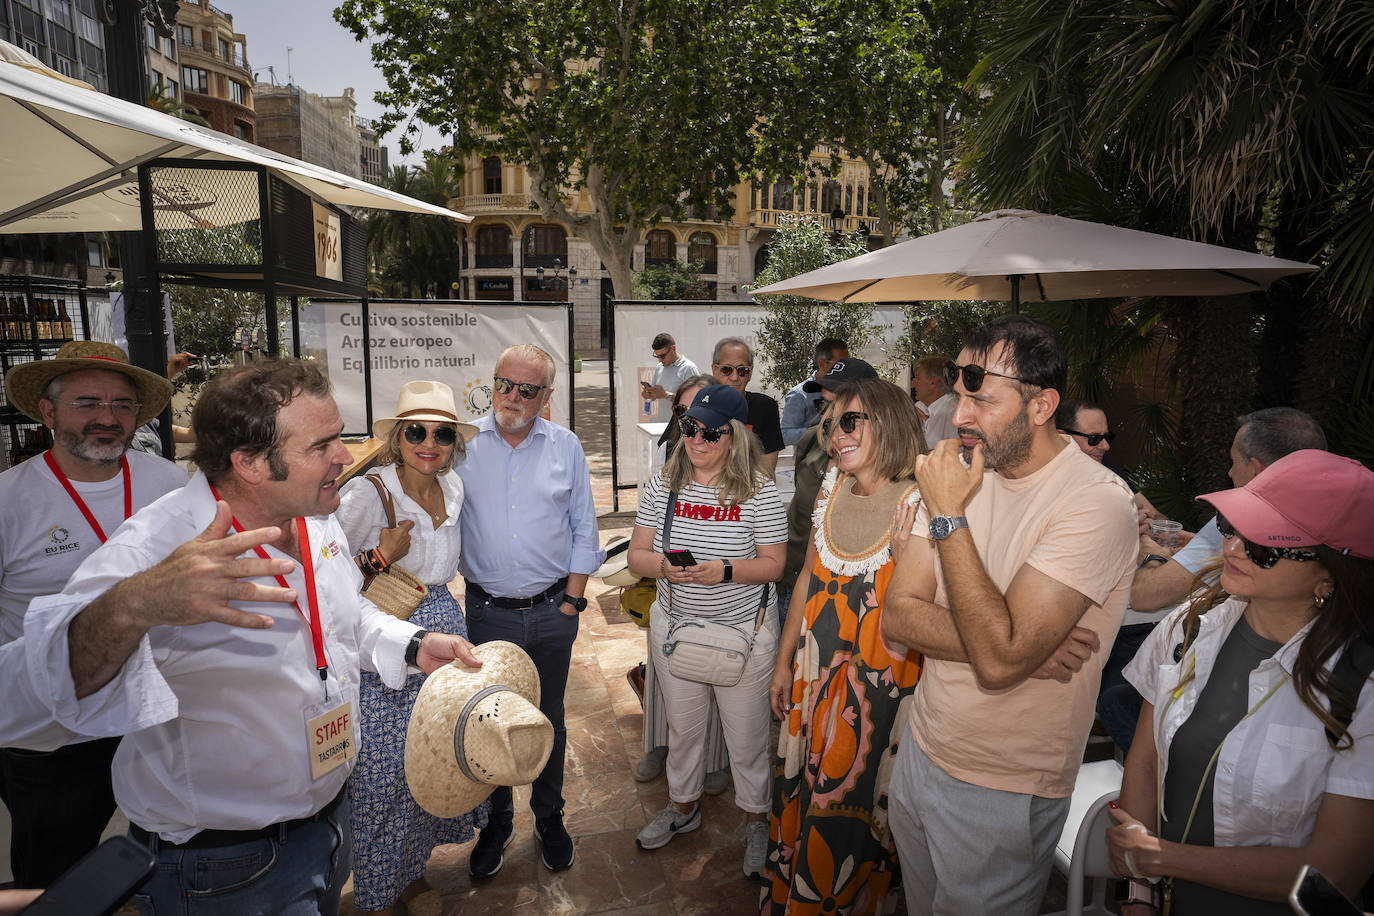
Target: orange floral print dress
column 830, row 851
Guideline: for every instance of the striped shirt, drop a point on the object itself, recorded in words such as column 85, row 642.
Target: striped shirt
column 712, row 532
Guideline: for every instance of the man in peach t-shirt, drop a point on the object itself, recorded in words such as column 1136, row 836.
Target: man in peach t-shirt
column 1020, row 569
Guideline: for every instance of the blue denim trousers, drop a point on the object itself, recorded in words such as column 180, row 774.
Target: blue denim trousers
column 299, row 873
column 547, row 635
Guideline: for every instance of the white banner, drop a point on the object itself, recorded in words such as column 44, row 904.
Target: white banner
column 455, row 344
column 696, row 328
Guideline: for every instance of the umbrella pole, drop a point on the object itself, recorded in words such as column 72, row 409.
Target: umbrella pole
column 1015, row 293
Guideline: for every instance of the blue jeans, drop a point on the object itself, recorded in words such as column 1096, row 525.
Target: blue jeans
column 299, row 873
column 547, row 635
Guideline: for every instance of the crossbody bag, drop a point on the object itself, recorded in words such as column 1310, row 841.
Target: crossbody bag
column 705, row 651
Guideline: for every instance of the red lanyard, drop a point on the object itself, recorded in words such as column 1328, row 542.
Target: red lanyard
column 81, row 503
column 311, row 599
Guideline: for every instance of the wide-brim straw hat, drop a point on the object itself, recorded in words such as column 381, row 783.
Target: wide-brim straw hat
column 24, row 384
column 473, row 729
column 424, row 400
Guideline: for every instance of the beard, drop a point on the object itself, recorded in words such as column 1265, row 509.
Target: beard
column 1010, row 446
column 83, row 445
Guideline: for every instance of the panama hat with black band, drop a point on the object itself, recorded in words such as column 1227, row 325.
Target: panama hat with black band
column 26, row 382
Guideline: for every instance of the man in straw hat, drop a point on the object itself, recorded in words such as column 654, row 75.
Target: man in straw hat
column 529, row 543
column 59, row 507
column 229, row 613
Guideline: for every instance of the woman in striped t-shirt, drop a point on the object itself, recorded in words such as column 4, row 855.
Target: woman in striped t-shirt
column 727, row 513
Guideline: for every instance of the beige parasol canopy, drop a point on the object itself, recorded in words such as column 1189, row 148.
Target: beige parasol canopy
column 1007, row 255
column 70, row 156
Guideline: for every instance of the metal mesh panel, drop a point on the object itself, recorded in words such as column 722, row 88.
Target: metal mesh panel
column 354, row 251
column 206, row 216
column 293, row 225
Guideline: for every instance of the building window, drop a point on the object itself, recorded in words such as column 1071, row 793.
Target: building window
column 849, row 198
column 238, row 92
column 64, row 66
column 187, row 35
column 172, row 90
column 830, row 196
column 815, row 189
column 861, row 211
column 243, row 131
column 491, row 175
column 702, row 247
column 226, row 51
column 195, row 80
column 95, row 253
column 493, row 247
column 545, row 243
column 169, row 48
column 152, row 37
column 659, row 247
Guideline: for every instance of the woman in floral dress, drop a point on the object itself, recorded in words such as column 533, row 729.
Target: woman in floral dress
column 837, row 686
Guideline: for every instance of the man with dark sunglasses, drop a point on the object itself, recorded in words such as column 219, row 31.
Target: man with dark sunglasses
column 672, row 370
column 529, row 542
column 732, row 363
column 1021, row 565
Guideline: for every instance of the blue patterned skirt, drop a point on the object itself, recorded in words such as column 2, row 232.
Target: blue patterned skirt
column 392, row 835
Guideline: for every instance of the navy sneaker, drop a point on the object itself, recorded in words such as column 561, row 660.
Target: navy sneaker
column 555, row 846
column 489, row 854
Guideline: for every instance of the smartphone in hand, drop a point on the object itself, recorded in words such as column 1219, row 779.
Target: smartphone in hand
column 99, row 884
column 1314, row 895
column 682, row 558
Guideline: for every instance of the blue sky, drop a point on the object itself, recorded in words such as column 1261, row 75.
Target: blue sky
column 324, row 56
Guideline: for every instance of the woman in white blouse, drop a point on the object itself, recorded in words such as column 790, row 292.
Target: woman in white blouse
column 1254, row 754
column 392, row 835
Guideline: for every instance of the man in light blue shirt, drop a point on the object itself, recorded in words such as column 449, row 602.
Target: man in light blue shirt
column 529, row 542
column 799, row 412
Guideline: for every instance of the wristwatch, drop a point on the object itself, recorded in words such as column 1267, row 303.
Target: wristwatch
column 579, row 604
column 728, row 573
column 413, row 647
column 1140, row 891
column 942, row 526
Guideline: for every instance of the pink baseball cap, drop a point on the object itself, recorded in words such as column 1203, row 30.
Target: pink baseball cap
column 1307, row 497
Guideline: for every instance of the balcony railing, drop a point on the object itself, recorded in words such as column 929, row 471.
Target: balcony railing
column 479, row 202
column 235, row 57
column 773, row 218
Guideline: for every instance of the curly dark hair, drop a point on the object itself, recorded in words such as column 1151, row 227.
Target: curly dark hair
column 237, row 411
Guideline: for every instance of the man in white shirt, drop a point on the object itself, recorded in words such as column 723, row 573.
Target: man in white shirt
column 672, row 369
column 934, row 400
column 58, row 508
column 231, row 658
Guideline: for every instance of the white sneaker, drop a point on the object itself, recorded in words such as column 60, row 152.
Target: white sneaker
column 755, row 848
column 667, row 824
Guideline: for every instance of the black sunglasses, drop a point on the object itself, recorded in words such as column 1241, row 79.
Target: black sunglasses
column 679, row 410
column 848, row 420
column 1093, row 438
column 973, row 375
column 444, row 436
column 691, row 427
column 528, row 391
column 1262, row 555
column 728, row 371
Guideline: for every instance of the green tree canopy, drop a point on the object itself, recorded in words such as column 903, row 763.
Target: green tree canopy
column 646, row 108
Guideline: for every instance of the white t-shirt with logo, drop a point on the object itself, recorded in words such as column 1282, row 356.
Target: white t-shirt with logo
column 43, row 535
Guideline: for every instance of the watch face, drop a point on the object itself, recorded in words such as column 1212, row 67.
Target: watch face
column 939, row 527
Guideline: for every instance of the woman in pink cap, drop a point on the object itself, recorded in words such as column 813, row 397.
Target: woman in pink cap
column 1254, row 753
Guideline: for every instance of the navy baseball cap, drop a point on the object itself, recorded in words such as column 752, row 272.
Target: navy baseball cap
column 844, row 370
column 716, row 405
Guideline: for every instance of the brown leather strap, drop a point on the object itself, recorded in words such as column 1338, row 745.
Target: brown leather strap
column 385, row 495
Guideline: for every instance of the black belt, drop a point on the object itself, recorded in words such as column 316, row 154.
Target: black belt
column 520, row 604
column 212, row 839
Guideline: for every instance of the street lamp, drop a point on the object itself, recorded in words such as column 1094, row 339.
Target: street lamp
column 557, row 282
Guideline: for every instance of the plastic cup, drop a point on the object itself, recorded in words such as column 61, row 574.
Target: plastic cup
column 1165, row 532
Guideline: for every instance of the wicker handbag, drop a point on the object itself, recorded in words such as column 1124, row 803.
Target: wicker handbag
column 396, row 590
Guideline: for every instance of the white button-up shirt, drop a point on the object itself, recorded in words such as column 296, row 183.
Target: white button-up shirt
column 433, row 554
column 228, row 750
column 1275, row 765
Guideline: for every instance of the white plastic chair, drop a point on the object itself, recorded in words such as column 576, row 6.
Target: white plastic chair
column 1082, row 848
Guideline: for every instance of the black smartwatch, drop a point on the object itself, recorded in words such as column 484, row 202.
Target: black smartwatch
column 728, row 574
column 579, row 604
column 413, row 647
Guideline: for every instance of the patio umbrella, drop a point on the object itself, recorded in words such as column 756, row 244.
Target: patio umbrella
column 69, row 155
column 1007, row 253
